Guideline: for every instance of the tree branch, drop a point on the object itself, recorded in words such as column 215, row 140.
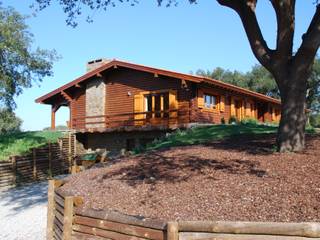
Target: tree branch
column 285, row 12
column 310, row 42
column 246, row 11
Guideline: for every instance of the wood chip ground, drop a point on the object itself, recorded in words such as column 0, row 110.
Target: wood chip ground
column 239, row 179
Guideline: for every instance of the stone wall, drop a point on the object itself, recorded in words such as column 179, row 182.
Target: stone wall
column 114, row 142
column 95, row 103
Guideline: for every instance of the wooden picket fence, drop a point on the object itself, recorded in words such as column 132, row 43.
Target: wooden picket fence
column 41, row 163
column 68, row 220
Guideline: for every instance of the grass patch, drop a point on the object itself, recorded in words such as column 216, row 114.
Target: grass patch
column 205, row 134
column 199, row 135
column 22, row 142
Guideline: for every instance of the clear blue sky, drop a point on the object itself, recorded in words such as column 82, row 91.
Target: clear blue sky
column 183, row 38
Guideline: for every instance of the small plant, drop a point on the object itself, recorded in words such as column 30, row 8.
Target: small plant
column 223, row 121
column 249, row 121
column 232, row 119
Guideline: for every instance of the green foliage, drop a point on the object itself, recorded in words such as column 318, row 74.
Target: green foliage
column 249, row 121
column 20, row 66
column 223, row 121
column 9, row 122
column 200, row 135
column 315, row 120
column 58, row 128
column 313, row 96
column 22, row 142
column 233, row 120
column 258, row 79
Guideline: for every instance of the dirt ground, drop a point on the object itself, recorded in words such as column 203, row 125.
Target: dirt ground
column 240, row 179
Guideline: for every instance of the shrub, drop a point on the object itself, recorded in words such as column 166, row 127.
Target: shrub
column 9, row 122
column 223, row 121
column 315, row 120
column 233, row 119
column 251, row 121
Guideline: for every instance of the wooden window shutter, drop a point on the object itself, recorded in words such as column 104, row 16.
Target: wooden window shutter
column 173, row 103
column 222, row 103
column 232, row 107
column 138, row 107
column 242, row 109
column 200, row 99
column 273, row 114
column 248, row 109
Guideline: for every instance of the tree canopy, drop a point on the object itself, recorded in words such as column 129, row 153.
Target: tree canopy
column 20, row 65
column 260, row 80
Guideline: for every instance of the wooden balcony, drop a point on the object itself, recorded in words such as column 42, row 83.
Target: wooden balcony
column 156, row 120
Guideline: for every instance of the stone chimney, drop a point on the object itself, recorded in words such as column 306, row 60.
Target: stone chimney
column 91, row 65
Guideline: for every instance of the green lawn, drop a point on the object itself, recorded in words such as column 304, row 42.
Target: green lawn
column 199, row 135
column 20, row 143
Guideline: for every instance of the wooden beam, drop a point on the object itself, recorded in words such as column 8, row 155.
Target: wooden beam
column 115, row 66
column 156, row 75
column 78, row 85
column 184, row 83
column 66, row 96
column 99, row 75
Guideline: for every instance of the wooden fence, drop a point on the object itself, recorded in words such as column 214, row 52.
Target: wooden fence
column 41, row 163
column 68, row 220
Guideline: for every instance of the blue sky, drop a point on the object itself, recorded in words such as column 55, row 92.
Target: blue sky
column 183, row 38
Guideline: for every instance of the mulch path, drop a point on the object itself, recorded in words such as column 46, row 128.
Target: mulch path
column 239, row 179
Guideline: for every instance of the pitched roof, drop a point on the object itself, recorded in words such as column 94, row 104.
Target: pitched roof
column 158, row 71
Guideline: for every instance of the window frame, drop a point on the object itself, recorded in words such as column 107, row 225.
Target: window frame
column 211, row 106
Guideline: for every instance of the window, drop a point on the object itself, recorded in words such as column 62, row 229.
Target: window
column 157, row 105
column 210, row 101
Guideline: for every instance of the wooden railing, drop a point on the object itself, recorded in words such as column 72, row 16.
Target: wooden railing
column 153, row 119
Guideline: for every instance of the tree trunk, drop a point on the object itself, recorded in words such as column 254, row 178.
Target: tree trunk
column 291, row 132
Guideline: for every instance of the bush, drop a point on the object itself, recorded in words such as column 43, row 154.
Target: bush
column 315, row 120
column 9, row 122
column 233, row 119
column 251, row 121
column 223, row 121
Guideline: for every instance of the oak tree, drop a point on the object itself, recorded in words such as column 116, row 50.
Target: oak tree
column 290, row 69
column 20, row 64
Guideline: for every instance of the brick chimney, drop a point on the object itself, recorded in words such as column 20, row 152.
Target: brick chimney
column 91, row 65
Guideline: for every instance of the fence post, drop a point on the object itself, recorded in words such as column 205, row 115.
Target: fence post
column 49, row 160
column 34, row 156
column 69, row 152
column 50, row 210
column 173, row 231
column 68, row 217
column 74, row 145
column 14, row 170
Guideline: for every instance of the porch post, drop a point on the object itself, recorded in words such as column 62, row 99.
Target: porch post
column 53, row 117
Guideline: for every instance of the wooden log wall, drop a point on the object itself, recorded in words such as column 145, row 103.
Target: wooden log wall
column 41, row 163
column 68, row 220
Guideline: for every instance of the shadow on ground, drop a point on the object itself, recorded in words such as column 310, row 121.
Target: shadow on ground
column 24, row 197
column 151, row 168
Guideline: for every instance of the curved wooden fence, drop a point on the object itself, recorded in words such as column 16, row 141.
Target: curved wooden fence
column 68, row 220
column 39, row 164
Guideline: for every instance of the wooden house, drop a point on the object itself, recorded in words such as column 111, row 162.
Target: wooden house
column 118, row 105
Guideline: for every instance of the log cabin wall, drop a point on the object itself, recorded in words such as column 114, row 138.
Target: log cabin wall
column 230, row 104
column 78, row 109
column 123, row 86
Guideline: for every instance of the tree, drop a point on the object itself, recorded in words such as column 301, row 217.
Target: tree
column 290, row 70
column 258, row 79
column 20, row 67
column 9, row 122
